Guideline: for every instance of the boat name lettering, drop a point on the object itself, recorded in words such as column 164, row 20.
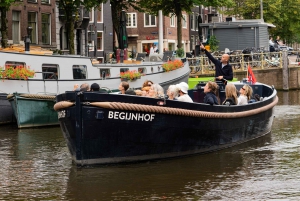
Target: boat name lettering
column 130, row 116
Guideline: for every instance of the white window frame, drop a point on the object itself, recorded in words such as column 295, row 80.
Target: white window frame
column 184, row 22
column 192, row 22
column 196, row 21
column 133, row 20
column 172, row 21
column 101, row 41
column 92, row 13
column 101, row 10
column 149, row 16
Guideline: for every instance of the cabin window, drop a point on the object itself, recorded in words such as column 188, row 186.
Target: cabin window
column 50, row 71
column 79, row 71
column 104, row 73
column 14, row 64
column 123, row 70
column 142, row 70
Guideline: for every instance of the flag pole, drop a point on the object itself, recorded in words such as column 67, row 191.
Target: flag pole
column 248, row 72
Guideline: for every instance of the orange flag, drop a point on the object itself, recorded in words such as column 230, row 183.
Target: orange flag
column 251, row 77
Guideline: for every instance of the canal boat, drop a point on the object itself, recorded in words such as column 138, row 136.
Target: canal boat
column 6, row 114
column 114, row 128
column 55, row 74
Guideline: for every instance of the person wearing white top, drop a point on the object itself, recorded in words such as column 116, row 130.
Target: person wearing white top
column 245, row 95
column 183, row 90
column 151, row 50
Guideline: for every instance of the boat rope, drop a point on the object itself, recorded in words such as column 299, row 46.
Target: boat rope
column 35, row 96
column 168, row 110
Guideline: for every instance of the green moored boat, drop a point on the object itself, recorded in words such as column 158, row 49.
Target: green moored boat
column 33, row 110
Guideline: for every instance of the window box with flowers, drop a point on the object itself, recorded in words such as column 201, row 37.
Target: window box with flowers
column 16, row 72
column 130, row 75
column 172, row 65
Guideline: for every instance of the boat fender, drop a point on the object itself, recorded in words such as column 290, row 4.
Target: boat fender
column 62, row 104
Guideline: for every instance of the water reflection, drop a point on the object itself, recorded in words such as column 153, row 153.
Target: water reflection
column 36, row 165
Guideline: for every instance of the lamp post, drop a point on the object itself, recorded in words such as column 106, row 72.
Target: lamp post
column 27, row 40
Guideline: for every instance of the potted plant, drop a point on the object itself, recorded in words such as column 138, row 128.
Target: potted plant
column 16, row 72
column 172, row 65
column 180, row 52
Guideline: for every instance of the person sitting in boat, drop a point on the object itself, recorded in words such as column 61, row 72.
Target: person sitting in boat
column 245, row 95
column 223, row 70
column 210, row 90
column 156, row 91
column 183, row 92
column 76, row 87
column 231, row 95
column 145, row 91
column 147, row 83
column 172, row 92
column 95, row 87
column 85, row 87
column 123, row 87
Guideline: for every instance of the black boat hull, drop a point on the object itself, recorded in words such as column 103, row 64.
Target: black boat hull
column 6, row 114
column 99, row 135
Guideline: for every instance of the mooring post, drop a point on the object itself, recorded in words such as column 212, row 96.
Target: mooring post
column 285, row 70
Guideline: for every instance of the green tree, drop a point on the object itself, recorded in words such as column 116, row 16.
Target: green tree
column 176, row 7
column 4, row 8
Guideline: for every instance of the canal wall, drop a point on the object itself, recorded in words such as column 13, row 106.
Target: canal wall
column 274, row 76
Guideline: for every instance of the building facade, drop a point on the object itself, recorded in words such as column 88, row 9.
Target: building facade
column 40, row 15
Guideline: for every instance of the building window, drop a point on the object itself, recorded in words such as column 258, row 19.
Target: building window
column 31, row 1
column 192, row 41
column 192, row 22
column 196, row 22
column 79, row 72
column 32, row 23
column 131, row 20
column 172, row 21
column 91, row 42
column 50, row 71
column 150, row 20
column 45, row 1
column 100, row 13
column 91, row 15
column 16, row 27
column 184, row 24
column 99, row 41
column 46, row 29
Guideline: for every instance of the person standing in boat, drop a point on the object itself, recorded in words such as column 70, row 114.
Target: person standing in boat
column 183, row 92
column 210, row 90
column 231, row 95
column 223, row 70
column 245, row 95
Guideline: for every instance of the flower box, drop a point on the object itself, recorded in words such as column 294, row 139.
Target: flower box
column 172, row 65
column 130, row 75
column 16, row 72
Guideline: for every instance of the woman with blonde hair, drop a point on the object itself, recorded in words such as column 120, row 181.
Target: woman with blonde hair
column 231, row 95
column 210, row 90
column 245, row 95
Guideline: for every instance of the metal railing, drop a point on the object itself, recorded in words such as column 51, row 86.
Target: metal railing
column 240, row 61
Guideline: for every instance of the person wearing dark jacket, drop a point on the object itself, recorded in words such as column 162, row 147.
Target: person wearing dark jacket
column 210, row 90
column 223, row 70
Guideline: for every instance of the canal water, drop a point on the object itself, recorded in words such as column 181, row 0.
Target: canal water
column 35, row 165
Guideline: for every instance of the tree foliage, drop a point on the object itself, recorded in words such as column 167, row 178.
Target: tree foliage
column 4, row 8
column 284, row 14
column 176, row 7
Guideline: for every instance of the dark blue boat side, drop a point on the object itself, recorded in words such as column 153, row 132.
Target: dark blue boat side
column 112, row 128
column 6, row 114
